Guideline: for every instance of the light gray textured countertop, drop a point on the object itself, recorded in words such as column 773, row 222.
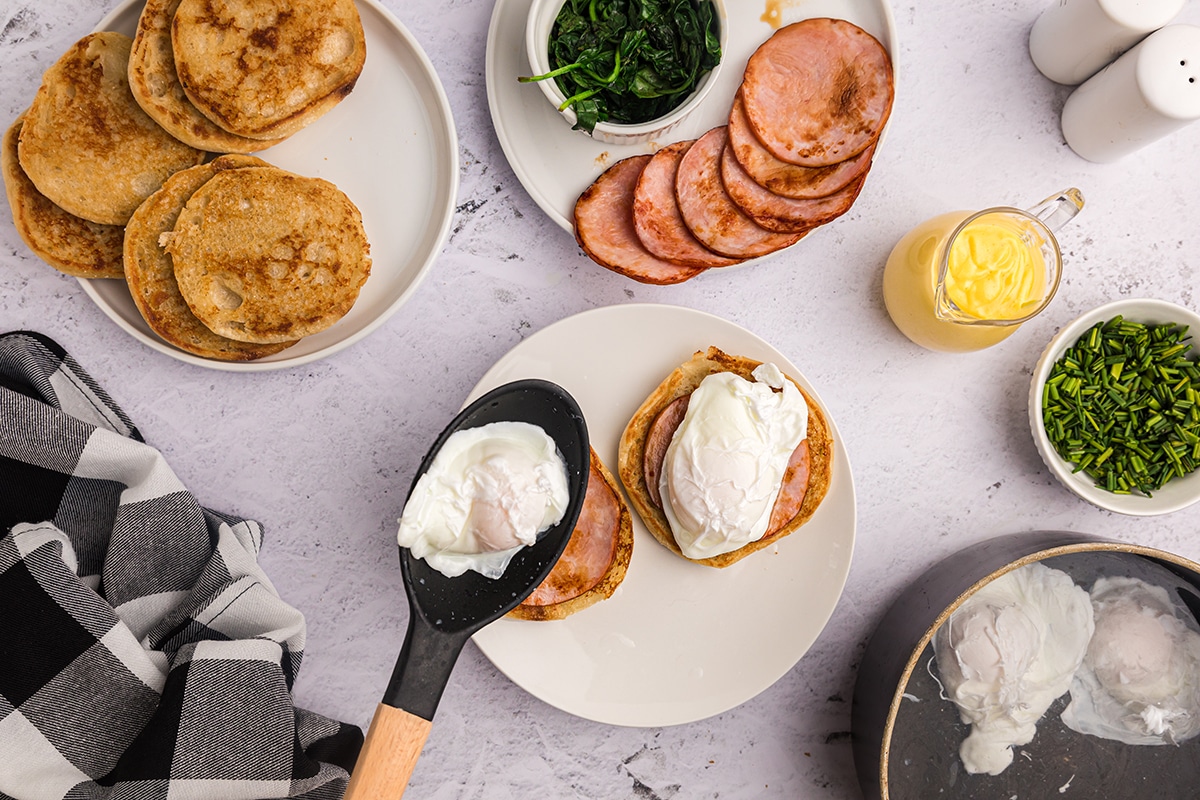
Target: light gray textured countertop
column 940, row 444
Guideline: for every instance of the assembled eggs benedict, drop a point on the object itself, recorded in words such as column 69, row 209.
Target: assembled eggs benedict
column 726, row 456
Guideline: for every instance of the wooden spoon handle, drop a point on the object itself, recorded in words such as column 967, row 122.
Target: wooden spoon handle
column 389, row 754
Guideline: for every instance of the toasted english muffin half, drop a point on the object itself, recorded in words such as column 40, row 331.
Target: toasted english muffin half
column 156, row 88
column 596, row 557
column 150, row 272
column 266, row 69
column 66, row 242
column 262, row 255
column 86, row 143
column 633, row 449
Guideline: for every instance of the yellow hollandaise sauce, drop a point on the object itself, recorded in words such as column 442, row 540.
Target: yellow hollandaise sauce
column 995, row 271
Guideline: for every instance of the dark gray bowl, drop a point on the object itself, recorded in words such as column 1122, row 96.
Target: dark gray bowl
column 906, row 737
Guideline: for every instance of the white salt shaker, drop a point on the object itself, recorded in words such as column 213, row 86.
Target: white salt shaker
column 1151, row 91
column 1073, row 39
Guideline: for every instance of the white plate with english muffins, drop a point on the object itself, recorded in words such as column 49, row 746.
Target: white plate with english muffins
column 391, row 146
column 677, row 642
column 555, row 163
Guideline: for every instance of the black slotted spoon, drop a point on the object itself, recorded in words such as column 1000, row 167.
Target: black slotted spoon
column 445, row 612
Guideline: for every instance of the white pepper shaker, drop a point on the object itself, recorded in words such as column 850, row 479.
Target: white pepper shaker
column 1151, row 91
column 1073, row 39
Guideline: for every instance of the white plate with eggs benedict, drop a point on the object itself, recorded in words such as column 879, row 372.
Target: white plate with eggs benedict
column 678, row 641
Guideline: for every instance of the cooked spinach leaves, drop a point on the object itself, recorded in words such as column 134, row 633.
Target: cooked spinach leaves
column 630, row 61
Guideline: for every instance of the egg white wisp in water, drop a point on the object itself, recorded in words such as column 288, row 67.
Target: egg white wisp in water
column 1140, row 680
column 726, row 461
column 489, row 492
column 1007, row 653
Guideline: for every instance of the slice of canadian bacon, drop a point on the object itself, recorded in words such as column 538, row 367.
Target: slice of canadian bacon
column 710, row 214
column 783, row 214
column 659, row 436
column 656, row 217
column 791, row 491
column 604, row 227
column 818, row 91
column 595, row 558
column 781, row 177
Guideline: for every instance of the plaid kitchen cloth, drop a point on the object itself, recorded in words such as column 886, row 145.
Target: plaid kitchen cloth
column 143, row 652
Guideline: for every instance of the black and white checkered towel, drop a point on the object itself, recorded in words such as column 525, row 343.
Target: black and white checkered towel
column 143, row 652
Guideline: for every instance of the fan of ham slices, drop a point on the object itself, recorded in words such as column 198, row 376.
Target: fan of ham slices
column 794, row 155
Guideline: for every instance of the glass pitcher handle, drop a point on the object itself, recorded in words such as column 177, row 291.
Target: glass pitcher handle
column 1057, row 210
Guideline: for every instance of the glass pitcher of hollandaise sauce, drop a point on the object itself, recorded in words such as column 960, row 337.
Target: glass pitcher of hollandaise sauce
column 965, row 281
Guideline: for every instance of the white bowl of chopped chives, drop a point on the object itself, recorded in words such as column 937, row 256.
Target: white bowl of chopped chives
column 613, row 107
column 1114, row 406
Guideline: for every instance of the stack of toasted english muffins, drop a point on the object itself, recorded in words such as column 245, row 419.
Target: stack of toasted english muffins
column 84, row 156
column 107, row 172
column 234, row 76
column 236, row 259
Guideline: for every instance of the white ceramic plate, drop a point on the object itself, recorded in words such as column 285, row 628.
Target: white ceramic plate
column 391, row 147
column 678, row 641
column 555, row 163
column 1176, row 493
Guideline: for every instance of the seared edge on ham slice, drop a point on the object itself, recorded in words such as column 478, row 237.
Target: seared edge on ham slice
column 710, row 214
column 781, row 177
column 783, row 214
column 656, row 217
column 818, row 91
column 604, row 227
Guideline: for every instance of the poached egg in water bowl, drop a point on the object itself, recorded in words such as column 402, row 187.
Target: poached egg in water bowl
column 1140, row 681
column 489, row 492
column 726, row 461
column 1007, row 653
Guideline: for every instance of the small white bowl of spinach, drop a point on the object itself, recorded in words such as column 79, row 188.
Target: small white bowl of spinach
column 625, row 71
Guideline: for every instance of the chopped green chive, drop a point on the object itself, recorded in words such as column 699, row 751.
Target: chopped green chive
column 1123, row 405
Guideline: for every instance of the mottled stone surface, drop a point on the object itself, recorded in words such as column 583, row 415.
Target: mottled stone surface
column 940, row 444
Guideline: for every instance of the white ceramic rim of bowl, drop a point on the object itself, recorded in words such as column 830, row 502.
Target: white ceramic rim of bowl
column 1177, row 493
column 543, row 13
